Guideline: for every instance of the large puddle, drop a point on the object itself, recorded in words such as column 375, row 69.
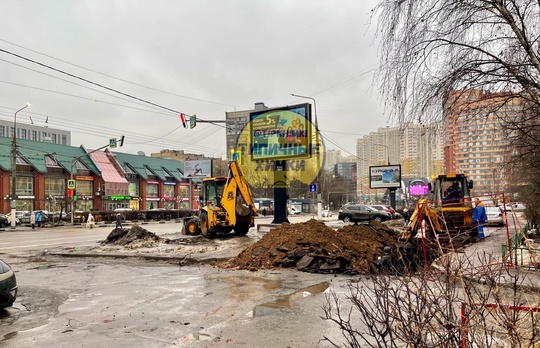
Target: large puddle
column 287, row 300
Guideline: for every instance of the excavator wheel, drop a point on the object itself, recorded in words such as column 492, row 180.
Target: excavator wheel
column 204, row 226
column 192, row 227
column 241, row 228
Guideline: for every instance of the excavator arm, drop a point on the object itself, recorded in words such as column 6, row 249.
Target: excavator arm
column 422, row 212
column 235, row 188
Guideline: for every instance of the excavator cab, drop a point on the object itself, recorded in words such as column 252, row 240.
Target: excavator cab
column 452, row 199
column 448, row 210
column 212, row 191
column 451, row 190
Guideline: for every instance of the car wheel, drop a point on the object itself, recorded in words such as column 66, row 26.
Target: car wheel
column 377, row 218
column 347, row 219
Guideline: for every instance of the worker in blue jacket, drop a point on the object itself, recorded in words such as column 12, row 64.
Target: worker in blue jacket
column 479, row 216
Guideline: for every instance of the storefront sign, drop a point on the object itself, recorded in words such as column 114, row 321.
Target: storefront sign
column 84, row 177
column 120, row 197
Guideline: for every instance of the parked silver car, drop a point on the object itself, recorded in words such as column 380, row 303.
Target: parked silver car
column 494, row 216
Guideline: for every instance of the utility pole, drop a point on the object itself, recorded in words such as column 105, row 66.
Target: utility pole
column 14, row 170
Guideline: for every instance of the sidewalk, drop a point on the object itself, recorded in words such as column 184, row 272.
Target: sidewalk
column 486, row 257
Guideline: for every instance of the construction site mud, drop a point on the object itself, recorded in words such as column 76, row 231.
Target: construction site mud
column 314, row 247
column 309, row 246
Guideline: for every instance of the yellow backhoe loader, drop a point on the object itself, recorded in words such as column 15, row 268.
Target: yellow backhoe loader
column 226, row 204
column 447, row 212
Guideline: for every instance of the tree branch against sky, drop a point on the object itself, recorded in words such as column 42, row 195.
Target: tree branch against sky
column 429, row 47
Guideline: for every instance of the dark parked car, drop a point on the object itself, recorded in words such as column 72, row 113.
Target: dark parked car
column 4, row 221
column 360, row 212
column 8, row 286
column 386, row 208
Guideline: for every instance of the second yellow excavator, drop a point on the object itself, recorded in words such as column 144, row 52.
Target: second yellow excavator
column 446, row 212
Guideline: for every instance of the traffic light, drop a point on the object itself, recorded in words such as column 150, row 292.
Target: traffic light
column 70, row 193
column 122, row 141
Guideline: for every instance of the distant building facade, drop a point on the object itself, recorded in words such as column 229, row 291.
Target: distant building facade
column 35, row 133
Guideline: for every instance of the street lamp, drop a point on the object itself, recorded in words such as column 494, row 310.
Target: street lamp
column 314, row 109
column 14, row 169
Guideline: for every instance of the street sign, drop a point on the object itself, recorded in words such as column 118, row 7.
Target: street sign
column 235, row 156
column 112, row 143
column 71, row 185
column 312, row 187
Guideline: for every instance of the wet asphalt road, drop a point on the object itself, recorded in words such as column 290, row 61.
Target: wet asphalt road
column 129, row 302
column 105, row 302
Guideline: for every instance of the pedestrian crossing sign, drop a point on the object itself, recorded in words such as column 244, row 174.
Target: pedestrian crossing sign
column 71, row 184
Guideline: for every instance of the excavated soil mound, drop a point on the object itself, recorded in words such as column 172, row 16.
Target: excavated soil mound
column 314, row 247
column 136, row 236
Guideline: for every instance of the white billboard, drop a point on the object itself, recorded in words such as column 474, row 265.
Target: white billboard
column 385, row 176
column 198, row 168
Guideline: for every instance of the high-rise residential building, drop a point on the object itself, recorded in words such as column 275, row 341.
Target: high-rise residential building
column 417, row 148
column 348, row 172
column 331, row 158
column 35, row 133
column 475, row 143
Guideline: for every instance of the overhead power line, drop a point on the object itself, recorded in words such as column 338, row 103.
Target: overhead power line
column 120, row 79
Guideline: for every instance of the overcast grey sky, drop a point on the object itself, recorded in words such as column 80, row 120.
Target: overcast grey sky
column 203, row 57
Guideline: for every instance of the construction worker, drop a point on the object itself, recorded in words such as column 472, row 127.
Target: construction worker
column 453, row 194
column 385, row 262
column 479, row 216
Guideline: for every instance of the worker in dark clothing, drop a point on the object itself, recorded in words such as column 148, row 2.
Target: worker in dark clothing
column 385, row 263
column 407, row 215
column 410, row 260
column 453, row 194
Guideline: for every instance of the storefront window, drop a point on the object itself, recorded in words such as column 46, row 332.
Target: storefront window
column 151, row 190
column 168, row 191
column 84, row 204
column 133, row 189
column 25, row 185
column 25, row 205
column 55, row 187
column 134, row 204
column 84, row 188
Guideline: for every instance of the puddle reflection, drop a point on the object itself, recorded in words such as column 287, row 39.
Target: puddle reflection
column 287, row 300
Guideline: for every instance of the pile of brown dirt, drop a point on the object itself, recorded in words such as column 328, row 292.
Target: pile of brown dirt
column 314, row 247
column 134, row 237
